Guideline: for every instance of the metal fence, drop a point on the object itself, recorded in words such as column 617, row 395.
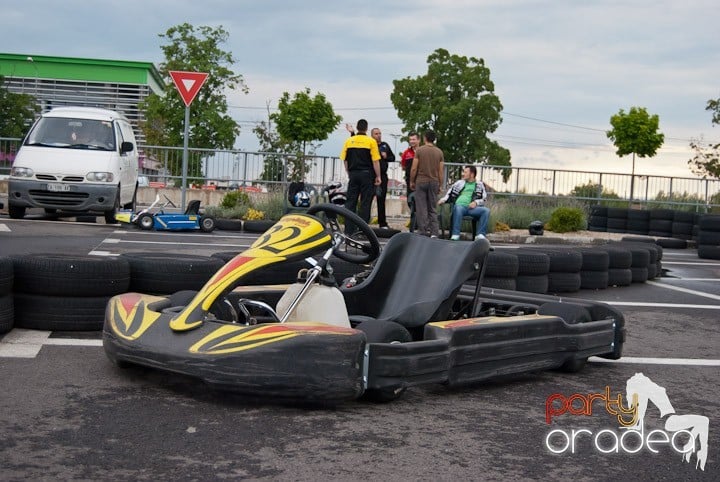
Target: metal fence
column 230, row 169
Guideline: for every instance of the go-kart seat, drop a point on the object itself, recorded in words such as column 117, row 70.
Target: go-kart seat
column 415, row 280
column 193, row 207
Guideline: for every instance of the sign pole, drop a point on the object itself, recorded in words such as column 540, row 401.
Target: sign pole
column 186, row 130
column 188, row 85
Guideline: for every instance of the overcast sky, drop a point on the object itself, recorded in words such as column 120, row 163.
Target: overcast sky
column 561, row 68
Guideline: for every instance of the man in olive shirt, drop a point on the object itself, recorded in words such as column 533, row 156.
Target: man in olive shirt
column 362, row 163
column 426, row 177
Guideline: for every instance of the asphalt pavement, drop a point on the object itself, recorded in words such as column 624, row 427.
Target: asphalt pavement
column 69, row 414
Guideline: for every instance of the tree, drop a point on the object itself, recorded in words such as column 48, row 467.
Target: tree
column 456, row 99
column 195, row 50
column 706, row 162
column 17, row 112
column 271, row 143
column 635, row 132
column 304, row 119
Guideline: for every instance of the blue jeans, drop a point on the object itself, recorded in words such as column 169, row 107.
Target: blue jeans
column 481, row 213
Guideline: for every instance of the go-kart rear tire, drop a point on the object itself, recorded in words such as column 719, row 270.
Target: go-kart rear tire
column 145, row 222
column 572, row 314
column 207, row 224
column 377, row 331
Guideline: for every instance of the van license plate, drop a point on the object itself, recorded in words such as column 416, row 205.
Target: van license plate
column 58, row 187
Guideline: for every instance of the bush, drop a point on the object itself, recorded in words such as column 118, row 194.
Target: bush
column 565, row 219
column 235, row 198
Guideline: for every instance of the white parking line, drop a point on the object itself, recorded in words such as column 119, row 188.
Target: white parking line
column 685, row 263
column 118, row 241
column 684, row 290
column 4, row 228
column 659, row 361
column 661, row 305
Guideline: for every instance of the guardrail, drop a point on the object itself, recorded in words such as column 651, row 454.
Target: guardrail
column 230, row 169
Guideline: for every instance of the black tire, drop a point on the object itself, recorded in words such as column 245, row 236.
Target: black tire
column 132, row 205
column 706, row 251
column 110, row 215
column 708, row 222
column 535, row 283
column 6, row 275
column 660, row 225
column 145, row 221
column 664, row 214
column 572, row 314
column 639, row 274
column 616, row 225
column 39, row 312
column 619, row 257
column 229, row 224
column 619, row 277
column 600, row 211
column 593, row 280
column 684, row 217
column 617, row 213
column 568, row 260
column 672, row 243
column 683, row 229
column 16, row 212
column 531, row 262
column 7, row 313
column 500, row 283
column 638, row 227
column 711, row 238
column 75, row 276
column 559, row 282
column 207, row 224
column 594, row 259
column 638, row 239
column 652, row 270
column 384, row 332
column 257, row 226
column 161, row 273
column 499, row 264
column 597, row 221
column 638, row 215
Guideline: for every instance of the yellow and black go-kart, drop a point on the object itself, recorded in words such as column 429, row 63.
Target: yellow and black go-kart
column 413, row 320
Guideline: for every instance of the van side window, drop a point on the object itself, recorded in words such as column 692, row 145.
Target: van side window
column 119, row 135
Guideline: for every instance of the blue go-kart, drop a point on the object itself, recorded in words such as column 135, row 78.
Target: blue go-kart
column 156, row 218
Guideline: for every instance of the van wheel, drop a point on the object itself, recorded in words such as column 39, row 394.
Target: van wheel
column 132, row 204
column 110, row 215
column 16, row 212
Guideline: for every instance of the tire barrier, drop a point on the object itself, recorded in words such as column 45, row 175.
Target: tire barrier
column 164, row 274
column 619, row 263
column 708, row 237
column 564, row 271
column 65, row 293
column 671, row 226
column 7, row 312
column 533, row 269
column 501, row 270
column 594, row 268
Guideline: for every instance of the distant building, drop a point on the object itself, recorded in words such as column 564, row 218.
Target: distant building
column 119, row 85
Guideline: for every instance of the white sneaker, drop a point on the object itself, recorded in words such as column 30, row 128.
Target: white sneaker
column 479, row 236
column 455, row 237
column 433, row 237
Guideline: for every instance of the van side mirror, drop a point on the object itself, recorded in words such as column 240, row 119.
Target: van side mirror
column 126, row 147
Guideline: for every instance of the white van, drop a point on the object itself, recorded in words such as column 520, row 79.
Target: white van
column 76, row 159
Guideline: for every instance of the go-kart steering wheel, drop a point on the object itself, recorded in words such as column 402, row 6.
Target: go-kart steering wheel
column 371, row 247
column 169, row 201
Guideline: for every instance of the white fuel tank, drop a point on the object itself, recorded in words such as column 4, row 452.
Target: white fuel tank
column 321, row 303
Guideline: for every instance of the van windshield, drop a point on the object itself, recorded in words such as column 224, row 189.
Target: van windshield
column 71, row 133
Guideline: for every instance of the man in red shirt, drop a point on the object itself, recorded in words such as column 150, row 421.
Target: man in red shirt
column 407, row 157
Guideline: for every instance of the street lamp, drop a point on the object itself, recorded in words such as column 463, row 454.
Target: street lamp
column 37, row 74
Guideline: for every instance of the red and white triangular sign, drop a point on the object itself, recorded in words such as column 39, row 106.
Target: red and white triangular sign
column 188, row 84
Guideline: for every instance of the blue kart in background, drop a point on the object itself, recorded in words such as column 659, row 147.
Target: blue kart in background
column 156, row 218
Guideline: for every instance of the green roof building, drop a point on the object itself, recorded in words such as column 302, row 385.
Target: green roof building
column 119, row 85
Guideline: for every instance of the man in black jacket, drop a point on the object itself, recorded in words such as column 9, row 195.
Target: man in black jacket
column 386, row 156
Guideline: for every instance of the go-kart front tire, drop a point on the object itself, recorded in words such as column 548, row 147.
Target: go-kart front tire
column 377, row 331
column 145, row 222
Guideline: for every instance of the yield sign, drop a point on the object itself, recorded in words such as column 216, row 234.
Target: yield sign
column 188, row 84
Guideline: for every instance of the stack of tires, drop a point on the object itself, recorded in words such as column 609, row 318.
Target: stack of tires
column 661, row 222
column 708, row 239
column 682, row 225
column 617, row 220
column 594, row 268
column 66, row 293
column 638, row 222
column 564, row 270
column 619, row 263
column 164, row 274
column 501, row 270
column 6, row 299
column 598, row 219
column 533, row 269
